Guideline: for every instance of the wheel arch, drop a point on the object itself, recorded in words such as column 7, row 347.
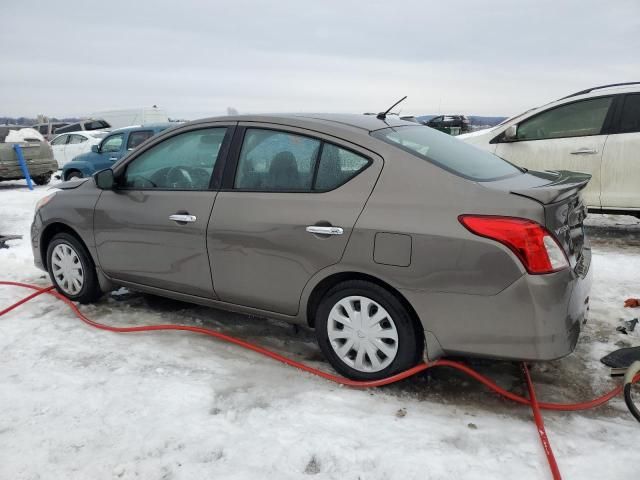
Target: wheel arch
column 70, row 171
column 50, row 231
column 324, row 285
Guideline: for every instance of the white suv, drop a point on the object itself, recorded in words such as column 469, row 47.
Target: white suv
column 596, row 131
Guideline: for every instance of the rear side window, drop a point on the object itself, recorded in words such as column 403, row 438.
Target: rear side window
column 337, row 166
column 271, row 160
column 136, row 138
column 77, row 139
column 95, row 125
column 630, row 119
column 576, row 119
column 447, row 152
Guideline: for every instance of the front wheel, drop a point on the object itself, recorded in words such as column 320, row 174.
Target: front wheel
column 366, row 333
column 73, row 174
column 71, row 269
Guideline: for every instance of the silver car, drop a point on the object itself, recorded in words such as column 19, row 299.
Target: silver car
column 393, row 240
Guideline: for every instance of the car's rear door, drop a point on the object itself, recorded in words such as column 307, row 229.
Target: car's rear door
column 621, row 157
column 151, row 228
column 568, row 137
column 76, row 146
column 288, row 205
column 59, row 147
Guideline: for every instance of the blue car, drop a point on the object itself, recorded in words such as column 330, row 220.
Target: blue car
column 112, row 148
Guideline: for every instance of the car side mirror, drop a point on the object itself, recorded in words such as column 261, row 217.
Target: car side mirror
column 95, row 148
column 104, row 179
column 511, row 133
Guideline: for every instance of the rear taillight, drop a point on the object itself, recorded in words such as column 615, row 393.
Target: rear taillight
column 531, row 242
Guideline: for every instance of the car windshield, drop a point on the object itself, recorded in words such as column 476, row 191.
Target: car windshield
column 447, row 152
column 98, row 134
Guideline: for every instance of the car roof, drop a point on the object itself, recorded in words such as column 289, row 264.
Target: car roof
column 149, row 126
column 363, row 122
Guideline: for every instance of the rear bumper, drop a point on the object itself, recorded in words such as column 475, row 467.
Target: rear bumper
column 538, row 317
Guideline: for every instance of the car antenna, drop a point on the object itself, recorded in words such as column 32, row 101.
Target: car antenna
column 383, row 115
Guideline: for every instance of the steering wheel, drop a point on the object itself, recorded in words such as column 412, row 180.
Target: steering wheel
column 179, row 177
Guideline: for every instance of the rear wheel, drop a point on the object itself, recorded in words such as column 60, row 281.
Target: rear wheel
column 73, row 174
column 71, row 269
column 365, row 332
column 42, row 179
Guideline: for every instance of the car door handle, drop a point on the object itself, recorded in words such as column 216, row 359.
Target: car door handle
column 324, row 230
column 584, row 151
column 182, row 217
column 113, row 159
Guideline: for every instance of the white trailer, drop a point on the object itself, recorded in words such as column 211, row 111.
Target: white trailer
column 132, row 116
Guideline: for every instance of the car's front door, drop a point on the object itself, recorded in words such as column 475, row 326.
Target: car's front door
column 111, row 149
column 151, row 228
column 621, row 158
column 286, row 211
column 568, row 137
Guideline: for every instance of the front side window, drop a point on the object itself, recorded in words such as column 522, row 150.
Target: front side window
column 183, row 162
column 61, row 140
column 447, row 152
column 136, row 138
column 276, row 161
column 337, row 166
column 77, row 139
column 630, row 119
column 112, row 144
column 576, row 119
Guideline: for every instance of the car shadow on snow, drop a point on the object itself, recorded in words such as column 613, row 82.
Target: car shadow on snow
column 557, row 381
column 575, row 378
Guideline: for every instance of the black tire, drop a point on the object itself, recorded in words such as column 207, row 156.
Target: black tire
column 90, row 291
column 410, row 343
column 73, row 174
column 42, row 179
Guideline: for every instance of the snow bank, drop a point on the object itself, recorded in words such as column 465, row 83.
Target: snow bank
column 80, row 403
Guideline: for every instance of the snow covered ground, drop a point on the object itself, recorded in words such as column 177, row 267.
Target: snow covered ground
column 79, row 403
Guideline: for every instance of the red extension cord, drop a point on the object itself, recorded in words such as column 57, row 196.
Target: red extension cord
column 531, row 401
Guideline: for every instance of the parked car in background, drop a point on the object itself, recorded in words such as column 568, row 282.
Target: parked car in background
column 68, row 146
column 133, row 116
column 49, row 129
column 381, row 234
column 451, row 124
column 36, row 151
column 596, row 131
column 110, row 149
column 88, row 124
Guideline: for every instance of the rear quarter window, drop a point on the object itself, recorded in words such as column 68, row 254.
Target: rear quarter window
column 447, row 152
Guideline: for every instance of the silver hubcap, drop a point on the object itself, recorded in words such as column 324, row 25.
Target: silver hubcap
column 67, row 269
column 362, row 334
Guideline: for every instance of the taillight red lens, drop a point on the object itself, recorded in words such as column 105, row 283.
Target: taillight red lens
column 531, row 242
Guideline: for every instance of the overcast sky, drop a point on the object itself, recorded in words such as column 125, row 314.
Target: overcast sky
column 196, row 58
